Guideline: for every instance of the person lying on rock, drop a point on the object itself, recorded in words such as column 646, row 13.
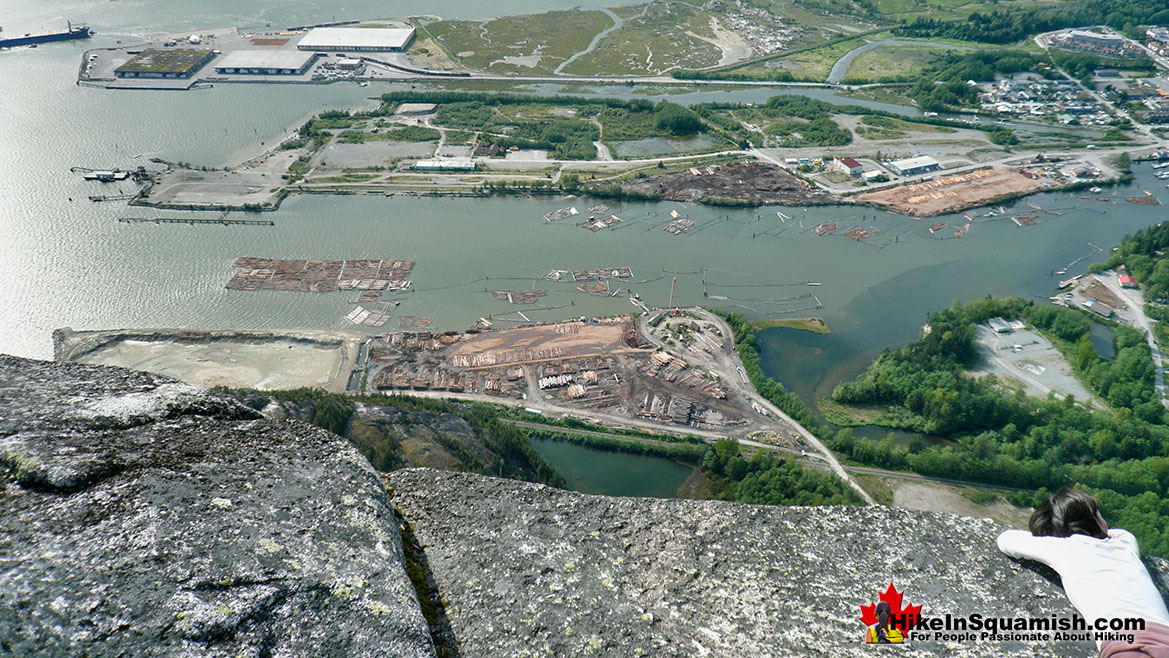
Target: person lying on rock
column 1100, row 568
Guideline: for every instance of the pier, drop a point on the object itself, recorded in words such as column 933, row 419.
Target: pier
column 197, row 220
column 112, row 197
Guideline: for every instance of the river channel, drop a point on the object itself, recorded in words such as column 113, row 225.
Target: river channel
column 589, row 470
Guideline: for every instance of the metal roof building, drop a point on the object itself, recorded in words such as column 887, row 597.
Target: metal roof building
column 266, row 62
column 850, row 166
column 913, row 166
column 356, row 39
column 1000, row 326
column 165, row 63
column 455, row 164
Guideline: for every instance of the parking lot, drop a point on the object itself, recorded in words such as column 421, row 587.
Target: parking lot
column 1025, row 358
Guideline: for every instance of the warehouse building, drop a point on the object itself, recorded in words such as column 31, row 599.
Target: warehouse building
column 458, row 164
column 357, row 40
column 850, row 166
column 168, row 63
column 266, row 62
column 1000, row 326
column 915, row 166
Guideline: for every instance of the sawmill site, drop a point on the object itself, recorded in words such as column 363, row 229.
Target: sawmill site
column 947, row 194
column 603, row 367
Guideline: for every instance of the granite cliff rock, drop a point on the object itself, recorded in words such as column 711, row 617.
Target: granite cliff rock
column 528, row 570
column 142, row 516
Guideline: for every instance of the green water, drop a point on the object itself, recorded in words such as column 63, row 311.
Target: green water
column 69, row 262
column 589, row 470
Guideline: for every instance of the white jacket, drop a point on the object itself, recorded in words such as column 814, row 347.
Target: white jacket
column 1103, row 578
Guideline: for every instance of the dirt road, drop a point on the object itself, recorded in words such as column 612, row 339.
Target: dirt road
column 730, row 365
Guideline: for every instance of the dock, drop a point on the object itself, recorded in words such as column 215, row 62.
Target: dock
column 563, row 213
column 196, row 220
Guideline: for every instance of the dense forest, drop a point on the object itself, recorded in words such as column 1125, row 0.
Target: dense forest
column 1003, row 437
column 769, row 479
column 1014, row 26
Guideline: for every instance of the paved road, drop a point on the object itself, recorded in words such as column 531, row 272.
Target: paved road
column 1136, row 306
column 1044, row 42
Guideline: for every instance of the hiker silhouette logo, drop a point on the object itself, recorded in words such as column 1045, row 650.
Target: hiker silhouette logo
column 887, row 621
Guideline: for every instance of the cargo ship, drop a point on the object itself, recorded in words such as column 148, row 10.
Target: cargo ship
column 71, row 32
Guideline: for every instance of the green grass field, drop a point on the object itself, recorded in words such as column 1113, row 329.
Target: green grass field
column 666, row 35
column 812, row 64
column 892, row 62
column 533, row 43
column 653, row 40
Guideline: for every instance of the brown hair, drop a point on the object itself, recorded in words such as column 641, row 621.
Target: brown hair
column 1069, row 512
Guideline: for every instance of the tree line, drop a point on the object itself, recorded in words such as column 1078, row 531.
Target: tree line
column 999, row 436
column 1007, row 26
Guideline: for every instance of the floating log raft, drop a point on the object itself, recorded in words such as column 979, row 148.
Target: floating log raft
column 602, row 273
column 519, row 297
column 563, row 213
column 320, row 275
column 196, row 220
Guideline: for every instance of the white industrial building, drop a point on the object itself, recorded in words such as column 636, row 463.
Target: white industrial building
column 454, row 164
column 357, row 39
column 1000, row 326
column 915, row 166
column 849, row 166
column 266, row 62
column 1087, row 38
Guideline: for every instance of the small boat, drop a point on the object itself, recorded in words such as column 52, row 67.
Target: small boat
column 1094, row 190
column 107, row 176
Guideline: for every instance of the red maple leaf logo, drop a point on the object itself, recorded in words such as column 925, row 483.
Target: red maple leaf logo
column 902, row 618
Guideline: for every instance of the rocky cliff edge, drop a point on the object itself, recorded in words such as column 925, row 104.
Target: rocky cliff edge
column 144, row 517
column 527, row 570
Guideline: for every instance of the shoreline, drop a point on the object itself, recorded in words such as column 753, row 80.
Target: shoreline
column 486, row 192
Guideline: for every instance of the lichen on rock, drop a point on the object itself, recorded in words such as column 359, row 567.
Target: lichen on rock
column 141, row 516
column 528, row 570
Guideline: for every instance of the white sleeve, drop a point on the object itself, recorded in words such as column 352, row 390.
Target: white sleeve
column 1022, row 544
column 1124, row 536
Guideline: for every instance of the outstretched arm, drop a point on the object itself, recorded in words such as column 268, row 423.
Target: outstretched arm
column 1022, row 544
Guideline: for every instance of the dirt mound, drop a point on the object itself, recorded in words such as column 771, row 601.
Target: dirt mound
column 757, row 182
